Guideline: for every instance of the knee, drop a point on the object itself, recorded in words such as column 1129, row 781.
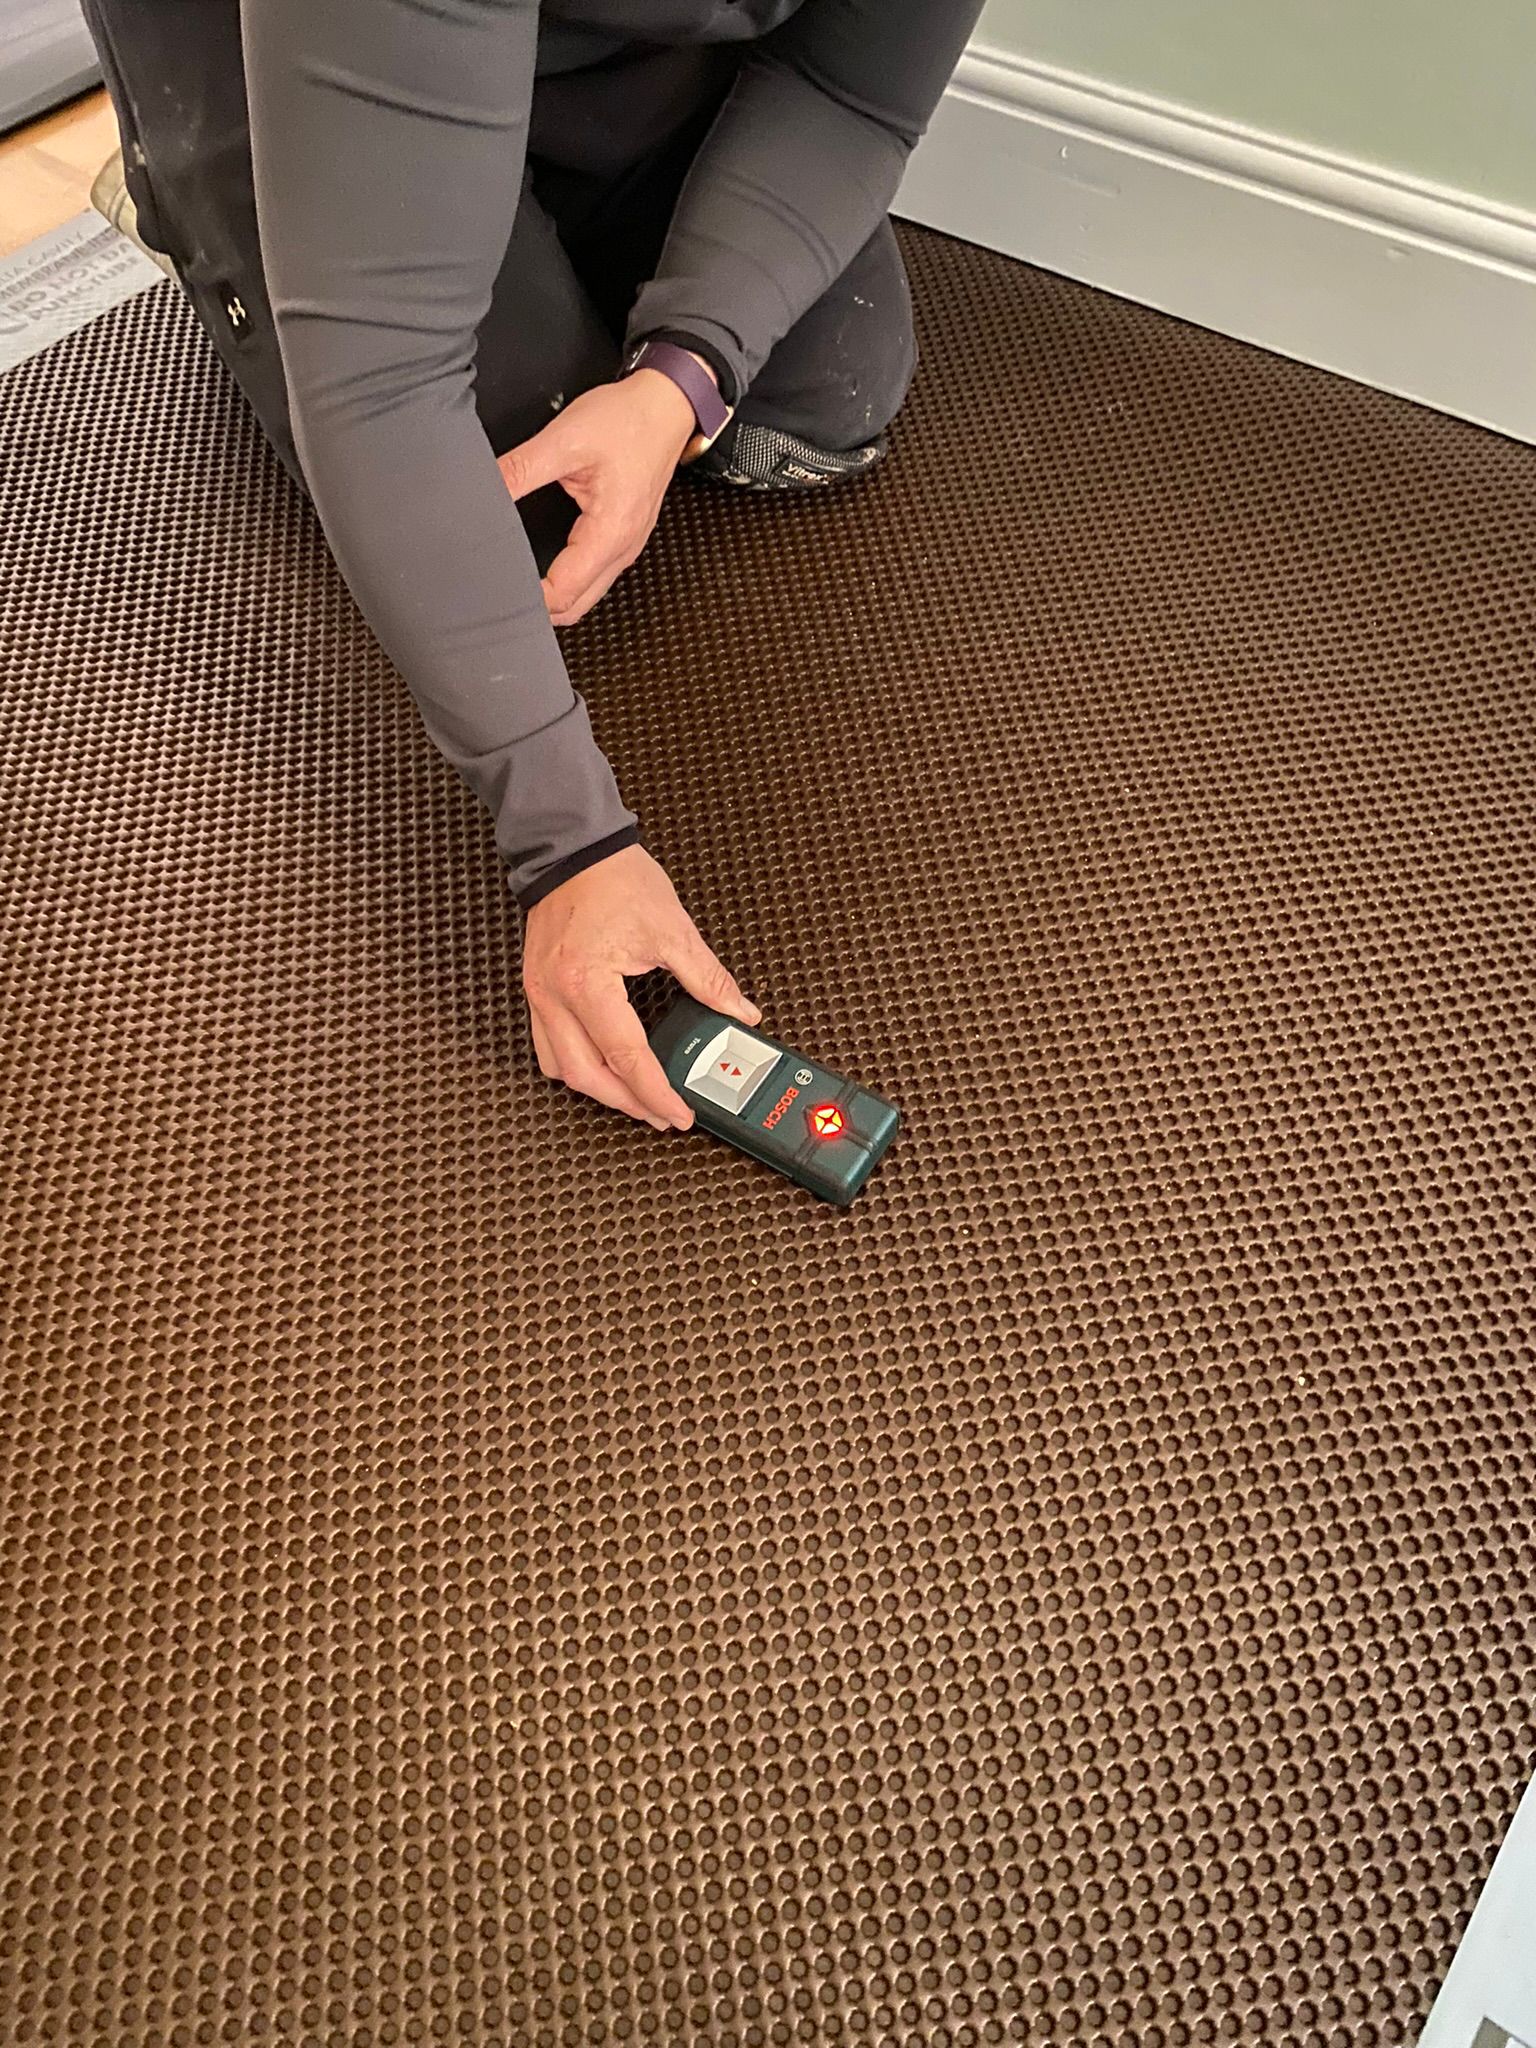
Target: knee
column 865, row 376
column 877, row 383
column 842, row 375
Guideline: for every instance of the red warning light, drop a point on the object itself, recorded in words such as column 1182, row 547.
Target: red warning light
column 826, row 1120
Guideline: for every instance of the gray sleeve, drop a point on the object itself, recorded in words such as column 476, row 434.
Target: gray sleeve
column 388, row 145
column 799, row 170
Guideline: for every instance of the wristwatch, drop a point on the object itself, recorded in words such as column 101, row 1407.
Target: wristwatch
column 710, row 410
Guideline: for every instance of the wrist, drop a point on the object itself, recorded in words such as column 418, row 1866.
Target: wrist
column 695, row 378
column 708, row 368
column 697, row 345
column 574, row 864
column 670, row 405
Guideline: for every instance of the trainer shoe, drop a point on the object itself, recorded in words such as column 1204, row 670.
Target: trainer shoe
column 758, row 458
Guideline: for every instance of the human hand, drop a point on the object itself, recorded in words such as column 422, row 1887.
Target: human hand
column 620, row 916
column 614, row 450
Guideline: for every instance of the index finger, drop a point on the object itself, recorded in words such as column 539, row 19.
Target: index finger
column 606, row 1015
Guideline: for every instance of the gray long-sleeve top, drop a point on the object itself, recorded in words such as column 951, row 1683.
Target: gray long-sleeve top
column 388, row 146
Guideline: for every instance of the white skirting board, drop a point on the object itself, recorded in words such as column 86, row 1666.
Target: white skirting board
column 1411, row 287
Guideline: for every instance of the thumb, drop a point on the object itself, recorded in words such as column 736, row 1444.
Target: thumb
column 542, row 459
column 708, row 981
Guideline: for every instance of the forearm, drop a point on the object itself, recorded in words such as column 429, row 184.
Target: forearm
column 799, row 169
column 388, row 149
column 787, row 188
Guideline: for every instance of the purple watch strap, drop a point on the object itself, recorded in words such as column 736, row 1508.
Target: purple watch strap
column 697, row 386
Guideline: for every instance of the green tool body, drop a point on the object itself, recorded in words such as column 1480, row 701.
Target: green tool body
column 811, row 1125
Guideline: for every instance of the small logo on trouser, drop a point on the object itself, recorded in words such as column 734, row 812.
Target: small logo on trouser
column 235, row 310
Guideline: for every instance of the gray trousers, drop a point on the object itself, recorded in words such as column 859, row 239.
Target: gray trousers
column 609, row 149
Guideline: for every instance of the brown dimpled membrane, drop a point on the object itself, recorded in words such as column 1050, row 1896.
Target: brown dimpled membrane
column 473, row 1570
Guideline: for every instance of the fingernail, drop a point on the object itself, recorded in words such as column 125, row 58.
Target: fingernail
column 658, row 1124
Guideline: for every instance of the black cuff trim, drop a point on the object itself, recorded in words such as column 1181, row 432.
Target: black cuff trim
column 725, row 376
column 573, row 863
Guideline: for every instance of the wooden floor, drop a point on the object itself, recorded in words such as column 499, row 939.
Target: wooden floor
column 46, row 168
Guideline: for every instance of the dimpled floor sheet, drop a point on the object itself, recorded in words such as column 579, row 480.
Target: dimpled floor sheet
column 475, row 1571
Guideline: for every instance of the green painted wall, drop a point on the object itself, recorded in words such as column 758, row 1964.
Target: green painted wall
column 1439, row 90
